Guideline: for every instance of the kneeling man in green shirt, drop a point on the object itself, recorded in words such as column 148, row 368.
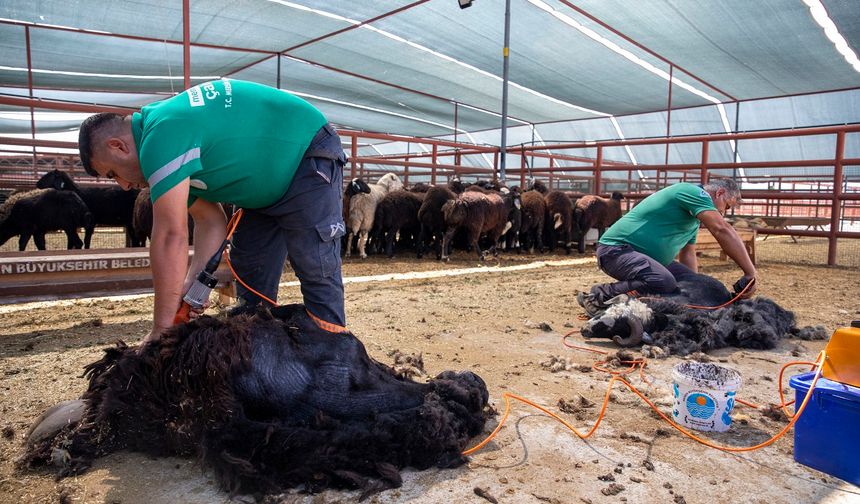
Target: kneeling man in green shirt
column 639, row 250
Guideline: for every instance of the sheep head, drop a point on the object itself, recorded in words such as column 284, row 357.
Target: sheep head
column 357, row 186
column 617, row 196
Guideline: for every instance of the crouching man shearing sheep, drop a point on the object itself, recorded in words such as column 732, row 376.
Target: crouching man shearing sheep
column 229, row 141
column 639, row 249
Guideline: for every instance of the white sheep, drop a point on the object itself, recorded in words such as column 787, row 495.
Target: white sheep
column 362, row 208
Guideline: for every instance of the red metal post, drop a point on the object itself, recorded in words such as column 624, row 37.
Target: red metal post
column 186, row 43
column 669, row 113
column 406, row 166
column 598, row 166
column 354, row 155
column 435, row 160
column 835, row 212
column 550, row 172
column 495, row 166
column 704, row 173
column 30, row 87
column 522, row 169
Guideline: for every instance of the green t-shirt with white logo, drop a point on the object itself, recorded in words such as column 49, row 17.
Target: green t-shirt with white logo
column 663, row 223
column 239, row 142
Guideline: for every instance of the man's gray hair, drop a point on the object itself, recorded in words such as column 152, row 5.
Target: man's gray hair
column 733, row 190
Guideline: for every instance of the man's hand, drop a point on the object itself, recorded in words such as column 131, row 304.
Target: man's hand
column 745, row 282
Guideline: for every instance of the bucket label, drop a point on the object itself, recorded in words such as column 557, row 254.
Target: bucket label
column 700, row 405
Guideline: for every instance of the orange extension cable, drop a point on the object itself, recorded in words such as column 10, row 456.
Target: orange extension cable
column 618, row 376
column 231, row 226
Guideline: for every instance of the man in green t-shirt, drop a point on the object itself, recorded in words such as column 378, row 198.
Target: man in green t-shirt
column 229, row 141
column 639, row 249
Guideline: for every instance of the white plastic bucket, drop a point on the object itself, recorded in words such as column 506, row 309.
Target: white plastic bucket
column 704, row 395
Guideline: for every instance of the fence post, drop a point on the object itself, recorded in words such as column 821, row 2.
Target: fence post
column 435, row 162
column 597, row 169
column 835, row 212
column 704, row 171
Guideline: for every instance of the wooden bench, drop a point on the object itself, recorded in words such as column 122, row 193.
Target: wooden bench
column 706, row 241
column 785, row 222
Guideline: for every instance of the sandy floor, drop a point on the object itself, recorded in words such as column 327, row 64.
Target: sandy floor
column 488, row 321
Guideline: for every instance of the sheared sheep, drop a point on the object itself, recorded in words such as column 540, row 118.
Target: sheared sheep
column 110, row 206
column 34, row 213
column 267, row 401
column 593, row 211
column 362, row 209
column 672, row 324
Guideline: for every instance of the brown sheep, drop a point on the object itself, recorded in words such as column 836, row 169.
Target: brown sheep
column 478, row 213
column 533, row 215
column 594, row 211
column 559, row 210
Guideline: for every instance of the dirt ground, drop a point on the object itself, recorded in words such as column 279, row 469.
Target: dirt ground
column 499, row 322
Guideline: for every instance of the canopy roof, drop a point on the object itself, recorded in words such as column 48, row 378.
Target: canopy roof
column 429, row 68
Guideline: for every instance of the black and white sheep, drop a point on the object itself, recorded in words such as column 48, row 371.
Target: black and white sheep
column 34, row 213
column 594, row 211
column 110, row 206
column 477, row 213
column 362, row 209
column 671, row 323
column 267, row 401
column 397, row 213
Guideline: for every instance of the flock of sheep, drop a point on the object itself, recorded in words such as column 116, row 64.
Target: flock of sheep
column 386, row 216
column 381, row 217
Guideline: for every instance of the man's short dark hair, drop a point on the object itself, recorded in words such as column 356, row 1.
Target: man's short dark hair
column 90, row 128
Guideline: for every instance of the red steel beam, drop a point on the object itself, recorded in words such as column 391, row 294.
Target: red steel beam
column 716, row 137
column 186, row 44
column 62, row 105
column 133, row 37
column 30, row 90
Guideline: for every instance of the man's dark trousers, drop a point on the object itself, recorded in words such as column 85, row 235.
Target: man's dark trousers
column 308, row 222
column 636, row 273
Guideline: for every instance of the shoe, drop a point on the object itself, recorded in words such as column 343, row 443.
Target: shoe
column 590, row 304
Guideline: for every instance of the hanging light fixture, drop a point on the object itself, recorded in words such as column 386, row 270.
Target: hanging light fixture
column 465, row 3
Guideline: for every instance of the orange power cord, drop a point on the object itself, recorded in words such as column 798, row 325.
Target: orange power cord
column 618, row 376
column 231, row 226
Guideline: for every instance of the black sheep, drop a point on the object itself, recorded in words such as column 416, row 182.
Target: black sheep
column 431, row 219
column 110, row 206
column 397, row 212
column 34, row 213
column 268, row 401
column 142, row 219
column 672, row 323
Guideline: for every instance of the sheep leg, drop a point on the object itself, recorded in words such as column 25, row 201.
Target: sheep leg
column 73, row 241
column 362, row 243
column 419, row 243
column 446, row 243
column 583, row 231
column 349, row 238
column 22, row 241
column 39, row 240
column 389, row 243
column 88, row 236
